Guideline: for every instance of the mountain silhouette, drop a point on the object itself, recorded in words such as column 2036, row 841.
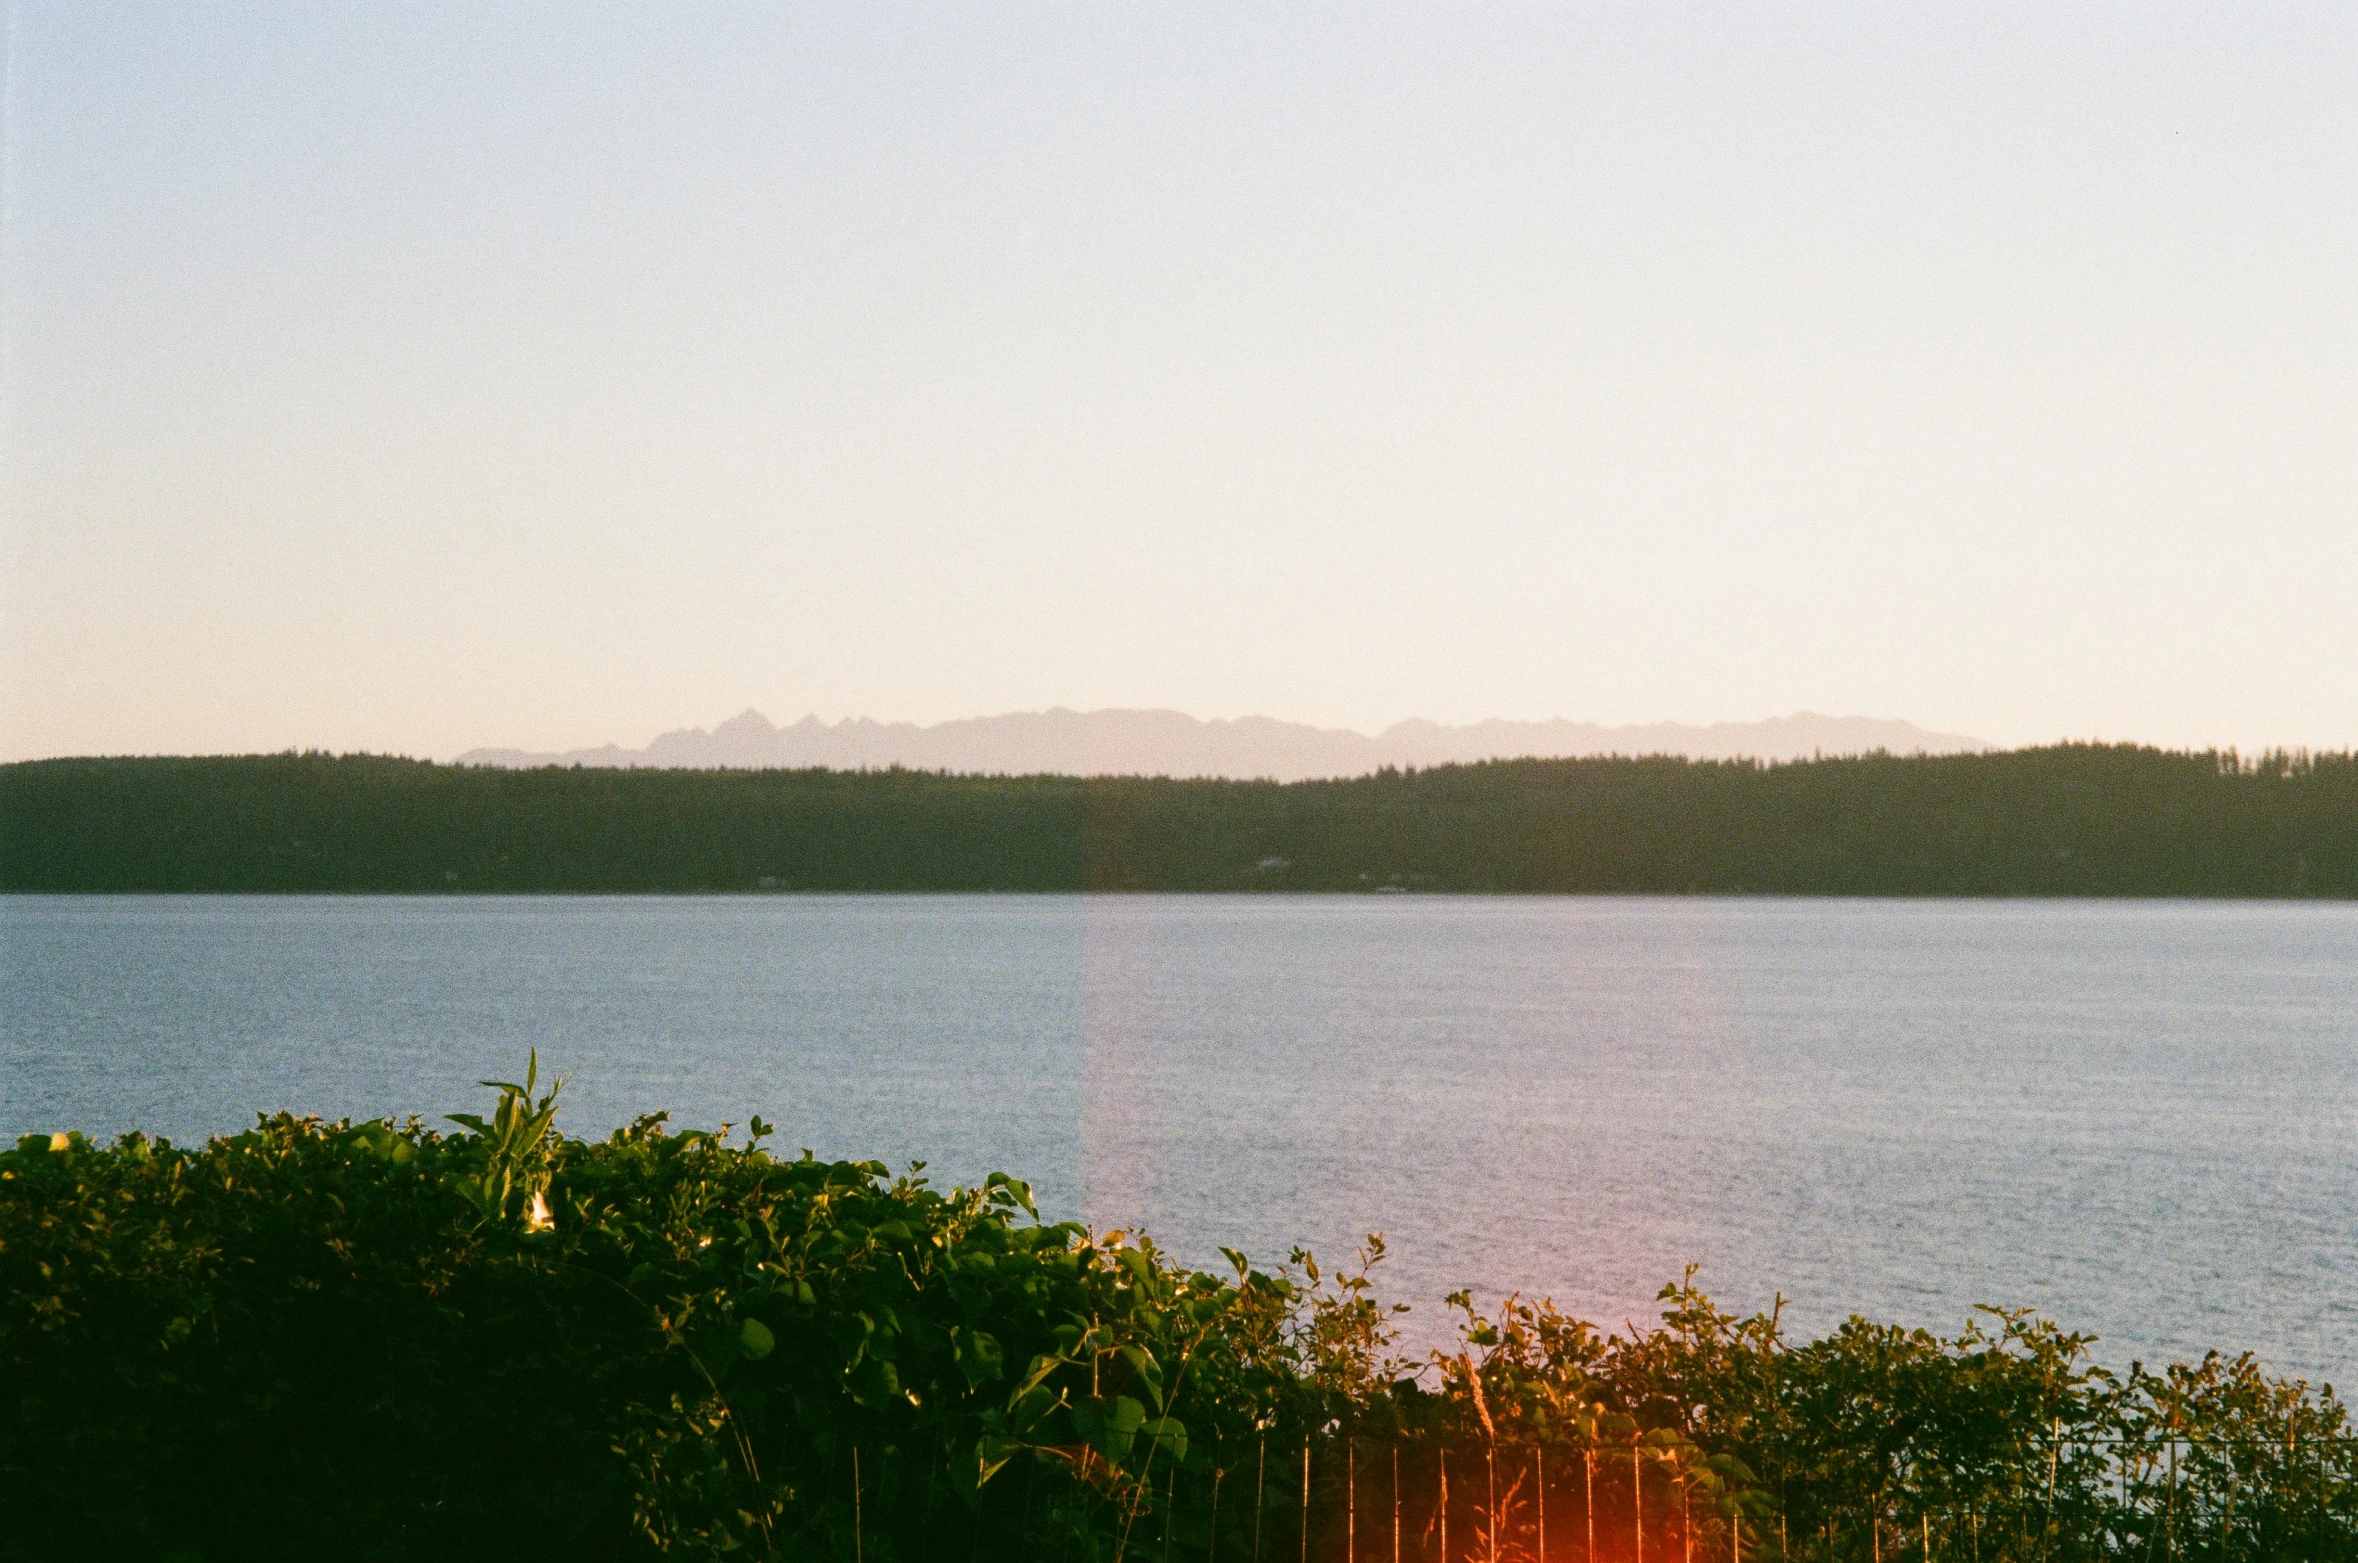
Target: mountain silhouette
column 1171, row 743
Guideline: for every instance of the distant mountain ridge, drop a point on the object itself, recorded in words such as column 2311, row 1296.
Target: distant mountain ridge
column 1171, row 743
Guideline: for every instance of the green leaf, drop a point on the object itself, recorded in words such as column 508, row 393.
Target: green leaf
column 755, row 1340
column 979, row 1357
column 874, row 1382
column 991, row 1453
column 1150, row 1373
column 1169, row 1432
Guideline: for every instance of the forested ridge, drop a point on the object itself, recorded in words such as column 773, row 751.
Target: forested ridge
column 2072, row 819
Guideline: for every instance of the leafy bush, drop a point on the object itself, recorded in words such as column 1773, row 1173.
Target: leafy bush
column 379, row 1340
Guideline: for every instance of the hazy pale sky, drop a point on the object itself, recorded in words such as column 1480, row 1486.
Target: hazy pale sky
column 422, row 376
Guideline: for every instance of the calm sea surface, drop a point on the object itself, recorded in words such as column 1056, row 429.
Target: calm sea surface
column 2139, row 1117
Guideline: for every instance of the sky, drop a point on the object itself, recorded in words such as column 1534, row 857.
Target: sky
column 413, row 377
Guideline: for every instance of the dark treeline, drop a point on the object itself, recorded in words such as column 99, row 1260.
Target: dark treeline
column 2075, row 819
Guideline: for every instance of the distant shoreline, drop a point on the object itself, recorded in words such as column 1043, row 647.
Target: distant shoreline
column 2156, row 898
column 2070, row 821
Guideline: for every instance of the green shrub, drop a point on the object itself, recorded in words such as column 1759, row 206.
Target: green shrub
column 381, row 1341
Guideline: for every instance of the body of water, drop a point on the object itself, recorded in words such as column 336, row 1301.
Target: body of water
column 2139, row 1117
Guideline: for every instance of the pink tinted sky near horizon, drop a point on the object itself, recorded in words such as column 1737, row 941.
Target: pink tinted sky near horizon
column 420, row 379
